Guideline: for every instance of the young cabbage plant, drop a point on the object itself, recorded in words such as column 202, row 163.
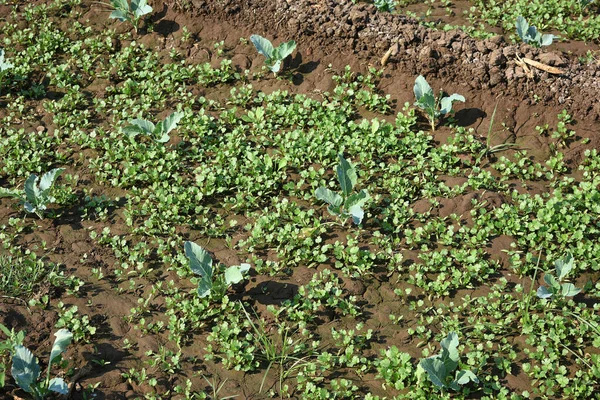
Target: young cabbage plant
column 556, row 287
column 37, row 192
column 347, row 204
column 530, row 34
column 274, row 55
column 131, row 12
column 433, row 107
column 442, row 369
column 26, row 369
column 4, row 66
column 158, row 132
column 210, row 285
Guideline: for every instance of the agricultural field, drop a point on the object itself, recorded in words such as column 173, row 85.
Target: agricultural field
column 309, row 199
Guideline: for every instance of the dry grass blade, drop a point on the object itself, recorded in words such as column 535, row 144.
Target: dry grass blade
column 543, row 67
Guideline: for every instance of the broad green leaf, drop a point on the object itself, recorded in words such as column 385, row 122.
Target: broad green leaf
column 427, row 103
column 120, row 15
column 169, row 123
column 58, row 385
column 132, row 131
column 436, row 371
column 543, row 293
column 31, row 190
column 357, row 213
column 569, row 290
column 552, row 282
column 547, row 39
column 49, row 177
column 25, row 369
column 235, row 273
column 522, row 27
column 263, row 46
column 284, row 50
column 358, row 199
column 446, row 103
column 329, row 196
column 346, row 176
column 465, row 376
column 449, row 355
column 200, row 260
column 204, row 287
column 140, row 8
column 63, row 339
column 145, row 126
column 563, row 267
column 422, row 88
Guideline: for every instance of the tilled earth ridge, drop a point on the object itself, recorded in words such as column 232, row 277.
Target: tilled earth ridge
column 335, row 27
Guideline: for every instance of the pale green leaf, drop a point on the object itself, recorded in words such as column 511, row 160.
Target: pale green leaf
column 120, row 15
column 465, row 376
column 543, row 292
column 235, row 273
column 32, row 193
column 140, row 8
column 346, row 175
column 436, row 371
column 422, row 88
column 284, row 50
column 263, row 46
column 25, row 368
column 49, row 177
column 446, row 103
column 144, row 126
column 63, row 339
column 569, row 290
column 58, row 385
column 329, row 196
column 563, row 266
column 200, row 259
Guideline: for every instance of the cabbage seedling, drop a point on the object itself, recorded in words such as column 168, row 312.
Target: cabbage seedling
column 26, row 369
column 427, row 101
column 274, row 55
column 530, row 34
column 201, row 264
column 37, row 192
column 555, row 285
column 159, row 132
column 4, row 66
column 346, row 204
column 441, row 368
column 132, row 12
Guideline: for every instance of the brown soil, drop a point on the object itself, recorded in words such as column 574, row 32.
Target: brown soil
column 328, row 32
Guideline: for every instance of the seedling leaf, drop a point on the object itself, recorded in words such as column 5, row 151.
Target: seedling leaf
column 329, row 196
column 263, row 46
column 569, row 290
column 357, row 213
column 446, row 103
column 422, row 88
column 465, row 376
column 563, row 267
column 284, row 50
column 522, row 27
column 235, row 273
column 31, row 190
column 25, row 369
column 169, row 123
column 346, row 176
column 143, row 125
column 48, row 178
column 4, row 65
column 200, row 264
column 119, row 14
column 140, row 8
column 58, row 385
column 547, row 39
column 63, row 339
column 543, row 293
column 436, row 370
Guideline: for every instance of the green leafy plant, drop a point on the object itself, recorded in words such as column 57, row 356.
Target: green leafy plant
column 385, row 5
column 7, row 347
column 37, row 192
column 347, row 204
column 274, row 55
column 530, row 34
column 201, row 264
column 433, row 107
column 131, row 12
column 4, row 66
column 158, row 132
column 556, row 287
column 26, row 369
column 442, row 369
